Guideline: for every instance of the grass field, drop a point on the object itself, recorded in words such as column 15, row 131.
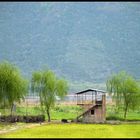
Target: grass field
column 77, row 131
column 57, row 113
column 70, row 112
column 72, row 130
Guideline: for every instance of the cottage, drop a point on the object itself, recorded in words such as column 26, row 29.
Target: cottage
column 93, row 102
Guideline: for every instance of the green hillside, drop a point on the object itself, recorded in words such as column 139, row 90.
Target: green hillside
column 83, row 42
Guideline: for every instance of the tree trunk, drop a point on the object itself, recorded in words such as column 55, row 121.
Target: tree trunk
column 12, row 109
column 125, row 111
column 4, row 107
column 48, row 113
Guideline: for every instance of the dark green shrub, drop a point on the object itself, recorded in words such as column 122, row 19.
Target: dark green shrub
column 27, row 119
column 114, row 118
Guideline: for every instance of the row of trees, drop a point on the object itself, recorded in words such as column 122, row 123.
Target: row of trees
column 125, row 91
column 14, row 88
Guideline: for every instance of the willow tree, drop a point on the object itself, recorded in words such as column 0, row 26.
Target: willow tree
column 125, row 91
column 48, row 86
column 13, row 87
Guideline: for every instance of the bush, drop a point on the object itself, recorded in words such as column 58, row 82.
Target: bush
column 114, row 118
column 27, row 119
column 62, row 109
column 64, row 120
column 9, row 118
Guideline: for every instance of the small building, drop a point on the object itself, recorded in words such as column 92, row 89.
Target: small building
column 93, row 102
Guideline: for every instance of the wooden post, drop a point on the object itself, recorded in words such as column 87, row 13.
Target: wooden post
column 104, row 106
column 77, row 98
column 95, row 96
column 85, row 97
column 92, row 97
column 82, row 98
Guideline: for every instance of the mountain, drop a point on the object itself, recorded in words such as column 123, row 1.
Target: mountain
column 81, row 41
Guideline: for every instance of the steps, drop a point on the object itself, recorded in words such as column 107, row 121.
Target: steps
column 76, row 120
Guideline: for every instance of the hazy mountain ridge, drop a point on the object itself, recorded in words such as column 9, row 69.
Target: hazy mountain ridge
column 79, row 41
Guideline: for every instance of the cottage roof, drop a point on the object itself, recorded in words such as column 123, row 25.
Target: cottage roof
column 95, row 90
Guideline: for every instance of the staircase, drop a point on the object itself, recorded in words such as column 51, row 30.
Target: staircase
column 92, row 106
column 76, row 120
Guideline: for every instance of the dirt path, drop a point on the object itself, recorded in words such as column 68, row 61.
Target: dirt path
column 15, row 127
column 18, row 127
column 122, row 122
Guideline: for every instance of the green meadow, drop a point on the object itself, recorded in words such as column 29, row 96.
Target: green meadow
column 77, row 131
column 72, row 111
column 73, row 130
